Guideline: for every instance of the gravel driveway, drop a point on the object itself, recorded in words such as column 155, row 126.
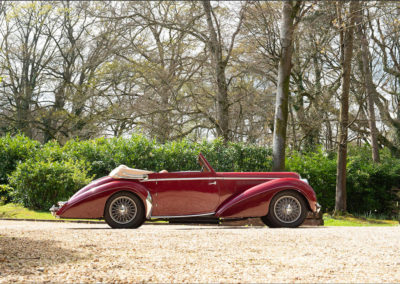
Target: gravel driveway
column 69, row 252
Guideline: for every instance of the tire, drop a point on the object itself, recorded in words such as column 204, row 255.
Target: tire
column 287, row 209
column 124, row 210
column 267, row 222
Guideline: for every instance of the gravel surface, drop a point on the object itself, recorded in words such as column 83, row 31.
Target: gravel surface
column 68, row 252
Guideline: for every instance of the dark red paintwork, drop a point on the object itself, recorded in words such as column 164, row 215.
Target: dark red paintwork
column 177, row 194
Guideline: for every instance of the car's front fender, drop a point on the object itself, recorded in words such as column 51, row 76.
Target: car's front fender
column 90, row 203
column 254, row 202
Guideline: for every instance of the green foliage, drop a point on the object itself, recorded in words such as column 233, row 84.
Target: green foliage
column 40, row 183
column 42, row 175
column 5, row 192
column 175, row 156
column 369, row 185
column 319, row 169
column 99, row 154
column 139, row 152
column 13, row 151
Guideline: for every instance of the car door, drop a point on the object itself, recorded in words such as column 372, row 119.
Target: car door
column 181, row 194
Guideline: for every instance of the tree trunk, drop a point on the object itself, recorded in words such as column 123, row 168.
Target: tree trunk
column 289, row 11
column 23, row 103
column 369, row 84
column 341, row 197
column 219, row 68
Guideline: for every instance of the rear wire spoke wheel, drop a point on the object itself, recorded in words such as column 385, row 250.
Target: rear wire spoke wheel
column 287, row 209
column 124, row 210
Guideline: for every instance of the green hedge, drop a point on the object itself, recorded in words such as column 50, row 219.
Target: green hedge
column 33, row 169
column 40, row 184
column 369, row 185
column 319, row 168
column 13, row 151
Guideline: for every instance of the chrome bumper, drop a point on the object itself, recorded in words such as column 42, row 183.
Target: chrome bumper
column 54, row 209
column 149, row 205
column 318, row 207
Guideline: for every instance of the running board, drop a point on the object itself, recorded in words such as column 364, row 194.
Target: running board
column 193, row 220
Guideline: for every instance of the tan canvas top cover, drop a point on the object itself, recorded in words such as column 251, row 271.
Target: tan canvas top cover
column 125, row 172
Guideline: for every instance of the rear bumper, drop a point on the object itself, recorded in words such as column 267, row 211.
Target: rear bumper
column 55, row 208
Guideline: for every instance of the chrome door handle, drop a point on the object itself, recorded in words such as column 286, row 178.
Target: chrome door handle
column 212, row 183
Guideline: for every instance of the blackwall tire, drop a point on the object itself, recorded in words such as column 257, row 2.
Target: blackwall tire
column 124, row 210
column 267, row 222
column 287, row 209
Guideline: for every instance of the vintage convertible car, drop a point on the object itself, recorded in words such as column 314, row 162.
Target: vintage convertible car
column 128, row 197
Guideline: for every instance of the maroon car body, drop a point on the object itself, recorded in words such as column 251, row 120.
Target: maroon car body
column 205, row 193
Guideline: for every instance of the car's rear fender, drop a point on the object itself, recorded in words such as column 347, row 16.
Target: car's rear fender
column 254, row 202
column 90, row 204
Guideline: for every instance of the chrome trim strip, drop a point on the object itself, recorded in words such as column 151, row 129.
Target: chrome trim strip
column 208, row 178
column 149, row 205
column 183, row 216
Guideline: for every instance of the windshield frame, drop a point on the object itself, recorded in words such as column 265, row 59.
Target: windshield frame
column 205, row 165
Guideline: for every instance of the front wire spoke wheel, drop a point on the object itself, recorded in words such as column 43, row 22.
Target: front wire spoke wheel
column 287, row 209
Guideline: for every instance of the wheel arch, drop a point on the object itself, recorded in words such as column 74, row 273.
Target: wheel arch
column 91, row 204
column 297, row 191
column 255, row 201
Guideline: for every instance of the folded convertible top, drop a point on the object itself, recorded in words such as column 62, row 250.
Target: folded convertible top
column 125, row 172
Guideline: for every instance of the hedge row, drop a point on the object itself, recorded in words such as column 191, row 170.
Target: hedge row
column 39, row 175
column 371, row 188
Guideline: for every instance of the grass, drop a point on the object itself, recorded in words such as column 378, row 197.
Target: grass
column 17, row 211
column 349, row 220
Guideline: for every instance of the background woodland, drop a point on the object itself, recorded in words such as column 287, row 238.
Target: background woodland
column 302, row 76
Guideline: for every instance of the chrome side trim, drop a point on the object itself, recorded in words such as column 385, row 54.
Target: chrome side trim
column 208, row 178
column 149, row 205
column 183, row 216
